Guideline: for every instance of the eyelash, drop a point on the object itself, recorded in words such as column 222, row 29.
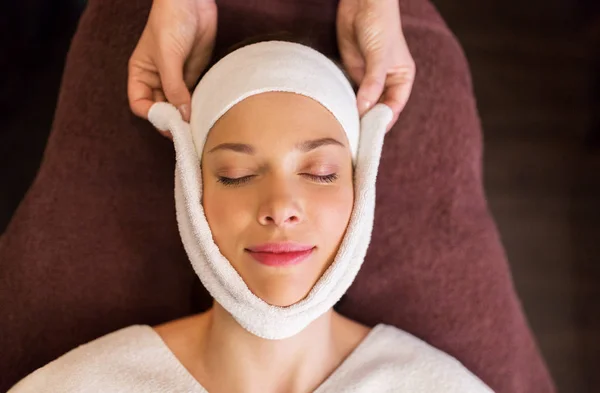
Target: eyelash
column 227, row 181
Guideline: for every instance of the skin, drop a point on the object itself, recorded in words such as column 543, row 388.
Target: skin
column 289, row 194
column 284, row 199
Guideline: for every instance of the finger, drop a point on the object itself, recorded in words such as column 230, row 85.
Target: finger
column 396, row 97
column 140, row 97
column 167, row 134
column 354, row 65
column 148, row 76
column 158, row 95
column 398, row 91
column 142, row 79
column 372, row 85
column 174, row 88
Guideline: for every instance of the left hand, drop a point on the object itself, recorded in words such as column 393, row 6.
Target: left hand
column 375, row 54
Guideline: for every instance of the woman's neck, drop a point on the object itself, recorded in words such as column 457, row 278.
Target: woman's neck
column 230, row 359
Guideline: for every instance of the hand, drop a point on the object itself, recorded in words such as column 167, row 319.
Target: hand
column 175, row 47
column 375, row 54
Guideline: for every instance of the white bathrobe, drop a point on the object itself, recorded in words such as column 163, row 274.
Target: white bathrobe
column 136, row 360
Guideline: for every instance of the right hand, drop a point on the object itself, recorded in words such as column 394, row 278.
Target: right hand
column 175, row 47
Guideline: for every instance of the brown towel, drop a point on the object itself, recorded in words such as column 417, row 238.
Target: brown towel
column 94, row 246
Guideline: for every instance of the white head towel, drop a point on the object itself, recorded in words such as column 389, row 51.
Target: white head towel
column 254, row 69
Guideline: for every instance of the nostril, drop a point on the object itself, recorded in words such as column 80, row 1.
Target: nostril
column 288, row 220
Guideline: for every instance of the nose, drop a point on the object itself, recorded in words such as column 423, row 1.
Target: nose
column 280, row 207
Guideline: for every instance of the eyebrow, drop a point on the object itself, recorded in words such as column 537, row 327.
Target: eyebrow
column 304, row 146
column 237, row 147
column 307, row 146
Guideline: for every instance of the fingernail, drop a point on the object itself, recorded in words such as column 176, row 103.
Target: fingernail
column 185, row 111
column 364, row 106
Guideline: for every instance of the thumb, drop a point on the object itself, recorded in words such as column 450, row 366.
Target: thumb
column 373, row 83
column 173, row 85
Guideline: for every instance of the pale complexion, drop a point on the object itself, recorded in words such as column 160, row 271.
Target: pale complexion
column 276, row 167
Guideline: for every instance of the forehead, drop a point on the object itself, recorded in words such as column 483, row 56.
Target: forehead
column 274, row 117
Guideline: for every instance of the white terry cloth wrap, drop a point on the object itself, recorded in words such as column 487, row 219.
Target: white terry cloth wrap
column 254, row 69
column 273, row 66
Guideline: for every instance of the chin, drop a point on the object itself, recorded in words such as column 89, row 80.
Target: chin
column 281, row 297
column 283, row 287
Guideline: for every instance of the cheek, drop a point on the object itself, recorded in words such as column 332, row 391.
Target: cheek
column 331, row 213
column 227, row 215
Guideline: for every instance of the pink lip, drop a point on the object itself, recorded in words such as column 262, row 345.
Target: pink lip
column 280, row 254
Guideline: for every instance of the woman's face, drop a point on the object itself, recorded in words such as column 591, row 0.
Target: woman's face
column 278, row 192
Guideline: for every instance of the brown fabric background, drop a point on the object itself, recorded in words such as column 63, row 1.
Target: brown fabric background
column 94, row 245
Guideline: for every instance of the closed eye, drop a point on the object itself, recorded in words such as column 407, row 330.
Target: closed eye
column 323, row 178
column 229, row 181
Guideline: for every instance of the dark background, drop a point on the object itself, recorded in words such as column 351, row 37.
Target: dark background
column 536, row 72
